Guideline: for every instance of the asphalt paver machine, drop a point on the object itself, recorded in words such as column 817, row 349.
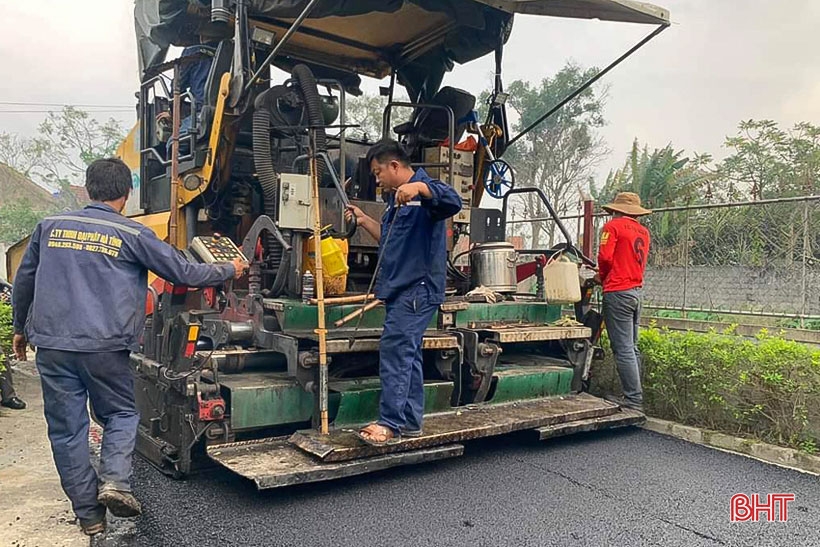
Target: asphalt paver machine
column 268, row 376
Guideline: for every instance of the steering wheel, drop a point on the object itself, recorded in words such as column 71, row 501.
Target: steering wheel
column 498, row 178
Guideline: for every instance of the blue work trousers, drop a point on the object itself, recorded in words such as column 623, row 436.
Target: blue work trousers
column 69, row 380
column 400, row 359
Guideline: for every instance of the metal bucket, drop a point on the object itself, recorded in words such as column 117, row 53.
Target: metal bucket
column 493, row 265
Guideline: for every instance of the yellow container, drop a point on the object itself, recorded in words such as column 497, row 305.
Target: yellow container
column 335, row 283
column 334, row 260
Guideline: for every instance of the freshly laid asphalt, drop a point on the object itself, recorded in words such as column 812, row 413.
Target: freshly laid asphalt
column 620, row 488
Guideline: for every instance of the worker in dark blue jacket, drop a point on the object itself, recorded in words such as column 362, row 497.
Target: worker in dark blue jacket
column 411, row 282
column 79, row 298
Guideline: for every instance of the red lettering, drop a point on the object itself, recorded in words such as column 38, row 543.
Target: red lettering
column 739, row 508
column 783, row 500
column 759, row 507
column 744, row 508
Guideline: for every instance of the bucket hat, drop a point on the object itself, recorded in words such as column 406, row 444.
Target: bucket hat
column 628, row 203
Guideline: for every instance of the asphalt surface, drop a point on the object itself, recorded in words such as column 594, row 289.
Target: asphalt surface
column 624, row 487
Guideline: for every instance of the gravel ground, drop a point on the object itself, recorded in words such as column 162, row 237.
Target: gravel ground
column 626, row 487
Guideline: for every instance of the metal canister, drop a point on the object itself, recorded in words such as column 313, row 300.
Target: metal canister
column 493, row 265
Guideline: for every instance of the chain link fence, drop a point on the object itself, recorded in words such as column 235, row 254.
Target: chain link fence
column 728, row 262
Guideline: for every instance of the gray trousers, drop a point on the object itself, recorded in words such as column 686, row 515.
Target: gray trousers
column 6, row 385
column 622, row 312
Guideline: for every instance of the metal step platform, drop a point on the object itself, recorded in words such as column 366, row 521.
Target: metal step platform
column 462, row 424
column 307, row 457
column 624, row 418
column 275, row 462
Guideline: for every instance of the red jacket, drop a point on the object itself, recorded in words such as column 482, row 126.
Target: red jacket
column 622, row 254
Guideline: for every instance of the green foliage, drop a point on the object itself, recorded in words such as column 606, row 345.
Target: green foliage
column 661, row 177
column 17, row 220
column 559, row 155
column 71, row 140
column 767, row 161
column 808, row 324
column 367, row 111
column 767, row 388
column 6, row 331
column 693, row 315
column 66, row 143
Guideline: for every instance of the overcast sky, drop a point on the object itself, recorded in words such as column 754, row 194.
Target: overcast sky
column 722, row 61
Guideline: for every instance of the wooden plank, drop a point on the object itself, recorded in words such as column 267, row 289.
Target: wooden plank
column 464, row 423
column 274, row 462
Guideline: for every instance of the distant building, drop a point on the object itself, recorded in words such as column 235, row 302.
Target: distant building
column 16, row 187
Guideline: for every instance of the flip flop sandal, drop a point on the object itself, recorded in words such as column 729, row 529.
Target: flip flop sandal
column 412, row 433
column 368, row 439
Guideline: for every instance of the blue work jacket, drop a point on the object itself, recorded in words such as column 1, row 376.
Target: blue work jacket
column 82, row 283
column 415, row 249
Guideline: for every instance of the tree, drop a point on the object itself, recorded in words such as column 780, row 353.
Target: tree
column 19, row 153
column 767, row 161
column 71, row 140
column 560, row 154
column 367, row 111
column 17, row 220
column 66, row 143
column 662, row 177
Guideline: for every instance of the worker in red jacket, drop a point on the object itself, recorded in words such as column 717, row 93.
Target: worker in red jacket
column 622, row 258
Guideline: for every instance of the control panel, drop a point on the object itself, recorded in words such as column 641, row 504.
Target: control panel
column 295, row 207
column 216, row 248
column 462, row 179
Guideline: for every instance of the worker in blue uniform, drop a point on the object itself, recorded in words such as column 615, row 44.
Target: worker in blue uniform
column 411, row 282
column 79, row 298
column 193, row 76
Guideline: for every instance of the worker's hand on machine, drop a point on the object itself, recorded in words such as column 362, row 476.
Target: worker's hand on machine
column 240, row 267
column 353, row 211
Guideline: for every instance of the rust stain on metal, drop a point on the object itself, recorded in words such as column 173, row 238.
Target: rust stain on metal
column 430, row 342
column 439, row 342
column 462, row 424
column 449, row 307
column 518, row 333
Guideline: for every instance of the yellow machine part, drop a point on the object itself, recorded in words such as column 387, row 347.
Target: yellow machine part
column 158, row 223
column 14, row 256
column 334, row 284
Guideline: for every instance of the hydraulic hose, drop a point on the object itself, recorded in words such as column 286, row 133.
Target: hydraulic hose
column 310, row 93
column 263, row 162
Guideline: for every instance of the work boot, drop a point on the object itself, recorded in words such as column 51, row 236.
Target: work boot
column 14, row 403
column 119, row 502
column 92, row 528
column 623, row 402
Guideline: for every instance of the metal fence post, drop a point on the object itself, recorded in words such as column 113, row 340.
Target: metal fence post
column 686, row 265
column 589, row 228
column 804, row 279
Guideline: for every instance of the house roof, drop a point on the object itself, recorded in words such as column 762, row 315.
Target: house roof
column 16, row 187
